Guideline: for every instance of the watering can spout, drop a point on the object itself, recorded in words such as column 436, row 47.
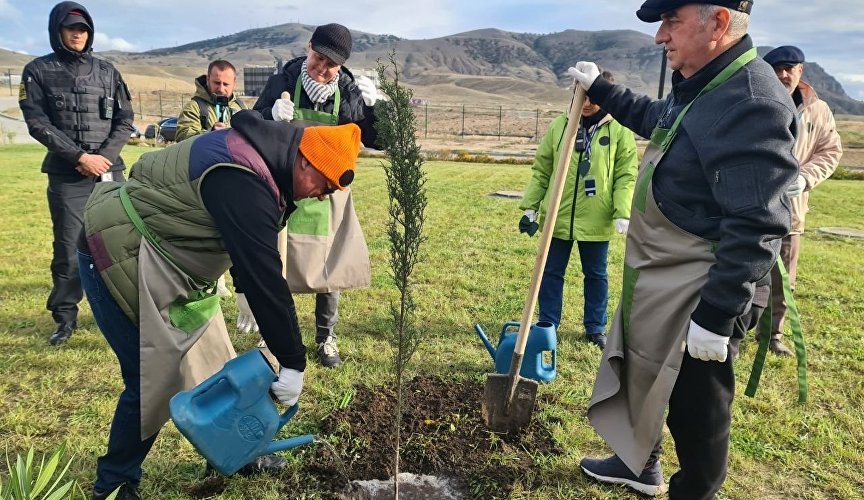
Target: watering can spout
column 489, row 347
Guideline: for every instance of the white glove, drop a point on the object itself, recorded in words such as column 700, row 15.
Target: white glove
column 585, row 73
column 283, row 108
column 531, row 214
column 287, row 389
column 245, row 319
column 797, row 187
column 705, row 345
column 367, row 88
column 622, row 225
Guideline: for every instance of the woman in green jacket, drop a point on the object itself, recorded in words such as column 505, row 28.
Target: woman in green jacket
column 595, row 204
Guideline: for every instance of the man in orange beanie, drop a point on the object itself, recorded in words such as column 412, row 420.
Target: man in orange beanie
column 187, row 213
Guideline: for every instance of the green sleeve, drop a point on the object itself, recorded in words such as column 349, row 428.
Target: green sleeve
column 189, row 122
column 624, row 173
column 544, row 165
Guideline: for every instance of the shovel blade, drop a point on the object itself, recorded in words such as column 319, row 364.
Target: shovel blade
column 500, row 413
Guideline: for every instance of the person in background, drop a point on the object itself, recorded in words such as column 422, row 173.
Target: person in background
column 709, row 211
column 818, row 151
column 153, row 248
column 213, row 103
column 210, row 109
column 594, row 206
column 320, row 91
column 78, row 107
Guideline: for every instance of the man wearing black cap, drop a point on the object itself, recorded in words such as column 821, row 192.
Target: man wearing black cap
column 78, row 107
column 708, row 214
column 818, row 151
column 319, row 90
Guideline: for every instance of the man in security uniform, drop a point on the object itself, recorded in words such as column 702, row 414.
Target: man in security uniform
column 78, row 107
column 708, row 214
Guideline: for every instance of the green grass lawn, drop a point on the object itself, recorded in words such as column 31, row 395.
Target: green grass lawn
column 477, row 269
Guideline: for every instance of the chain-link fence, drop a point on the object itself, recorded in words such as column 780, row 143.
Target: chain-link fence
column 433, row 121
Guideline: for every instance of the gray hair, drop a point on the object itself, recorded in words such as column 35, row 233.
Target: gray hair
column 739, row 22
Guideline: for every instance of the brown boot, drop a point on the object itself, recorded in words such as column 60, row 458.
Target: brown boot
column 776, row 346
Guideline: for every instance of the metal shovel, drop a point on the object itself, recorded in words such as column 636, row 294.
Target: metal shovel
column 508, row 400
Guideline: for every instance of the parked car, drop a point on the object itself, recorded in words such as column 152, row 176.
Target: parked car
column 167, row 130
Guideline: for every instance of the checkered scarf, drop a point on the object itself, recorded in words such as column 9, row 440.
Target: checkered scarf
column 318, row 92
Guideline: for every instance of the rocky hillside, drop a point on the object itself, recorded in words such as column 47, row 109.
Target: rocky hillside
column 488, row 62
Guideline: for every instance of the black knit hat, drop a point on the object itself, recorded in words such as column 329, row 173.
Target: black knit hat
column 651, row 10
column 334, row 41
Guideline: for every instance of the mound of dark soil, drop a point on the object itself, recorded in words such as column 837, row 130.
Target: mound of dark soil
column 443, row 434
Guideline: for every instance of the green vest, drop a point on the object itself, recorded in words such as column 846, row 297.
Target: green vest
column 170, row 206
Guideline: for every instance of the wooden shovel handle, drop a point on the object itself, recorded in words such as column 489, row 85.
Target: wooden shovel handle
column 574, row 116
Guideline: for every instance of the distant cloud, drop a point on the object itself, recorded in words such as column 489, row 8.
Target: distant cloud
column 104, row 42
column 7, row 11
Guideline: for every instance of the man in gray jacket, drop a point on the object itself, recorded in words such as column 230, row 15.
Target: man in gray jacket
column 708, row 214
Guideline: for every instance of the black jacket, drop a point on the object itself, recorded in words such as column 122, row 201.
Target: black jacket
column 352, row 109
column 74, row 103
column 725, row 176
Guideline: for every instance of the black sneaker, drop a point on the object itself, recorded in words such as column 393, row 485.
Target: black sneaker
column 126, row 492
column 62, row 333
column 598, row 339
column 328, row 353
column 612, row 470
column 776, row 346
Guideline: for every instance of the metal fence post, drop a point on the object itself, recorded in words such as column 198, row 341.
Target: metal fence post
column 160, row 104
column 500, row 115
column 426, row 124
column 463, row 121
column 140, row 104
column 537, row 126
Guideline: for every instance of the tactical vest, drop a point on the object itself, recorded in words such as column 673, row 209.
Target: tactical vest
column 80, row 106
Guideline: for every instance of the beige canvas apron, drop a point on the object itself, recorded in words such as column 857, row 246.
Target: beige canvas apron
column 171, row 360
column 665, row 269
column 326, row 249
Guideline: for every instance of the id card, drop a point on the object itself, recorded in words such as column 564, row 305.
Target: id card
column 590, row 186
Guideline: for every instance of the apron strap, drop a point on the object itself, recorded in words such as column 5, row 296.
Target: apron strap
column 311, row 115
column 764, row 335
column 154, row 239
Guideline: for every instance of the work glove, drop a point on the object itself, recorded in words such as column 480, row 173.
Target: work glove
column 528, row 222
column 245, row 319
column 367, row 88
column 288, row 387
column 584, row 73
column 705, row 345
column 283, row 108
column 797, row 187
column 622, row 225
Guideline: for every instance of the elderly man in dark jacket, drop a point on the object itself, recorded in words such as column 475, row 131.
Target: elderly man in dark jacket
column 708, row 214
column 319, row 90
column 78, row 107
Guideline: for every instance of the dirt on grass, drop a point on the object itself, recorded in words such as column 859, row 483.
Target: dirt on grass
column 443, row 434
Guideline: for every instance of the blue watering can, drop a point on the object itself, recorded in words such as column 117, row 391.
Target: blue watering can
column 230, row 417
column 541, row 339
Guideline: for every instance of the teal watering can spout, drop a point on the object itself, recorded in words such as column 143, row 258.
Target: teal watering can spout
column 485, row 339
column 230, row 418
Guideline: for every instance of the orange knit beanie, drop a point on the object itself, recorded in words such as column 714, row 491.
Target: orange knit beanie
column 332, row 151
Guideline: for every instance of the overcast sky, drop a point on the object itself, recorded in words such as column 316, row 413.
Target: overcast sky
column 830, row 32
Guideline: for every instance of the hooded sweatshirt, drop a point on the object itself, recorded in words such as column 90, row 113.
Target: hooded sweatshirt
column 39, row 104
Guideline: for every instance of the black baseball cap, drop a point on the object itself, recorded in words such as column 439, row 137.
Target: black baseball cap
column 651, row 10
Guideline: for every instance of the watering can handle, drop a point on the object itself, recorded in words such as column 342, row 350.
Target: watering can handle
column 288, row 415
column 507, row 326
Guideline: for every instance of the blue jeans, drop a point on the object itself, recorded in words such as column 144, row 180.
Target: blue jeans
column 126, row 451
column 595, row 283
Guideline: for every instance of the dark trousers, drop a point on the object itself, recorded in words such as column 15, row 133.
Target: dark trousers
column 66, row 199
column 592, row 255
column 790, row 249
column 700, row 417
column 326, row 314
column 126, row 451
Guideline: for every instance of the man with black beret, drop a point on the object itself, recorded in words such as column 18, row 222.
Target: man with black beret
column 708, row 214
column 818, row 151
